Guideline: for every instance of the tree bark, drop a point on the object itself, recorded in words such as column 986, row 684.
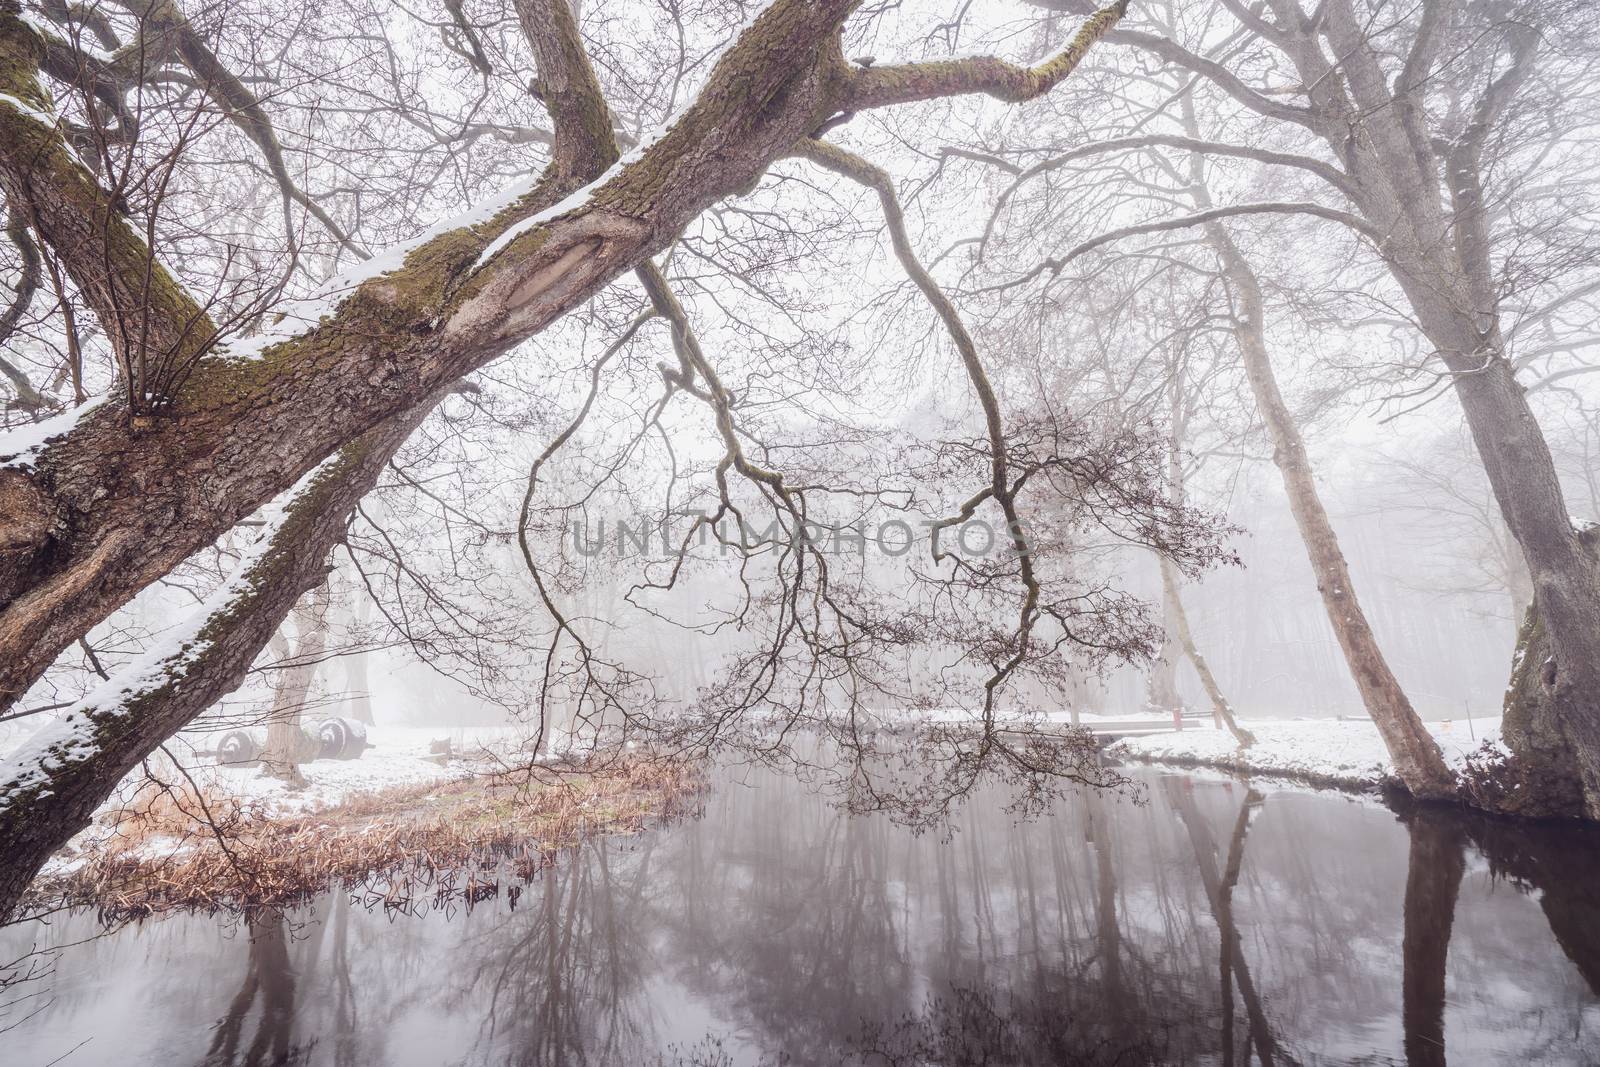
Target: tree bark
column 1219, row 703
column 1542, row 778
column 50, row 788
column 287, row 745
column 1418, row 763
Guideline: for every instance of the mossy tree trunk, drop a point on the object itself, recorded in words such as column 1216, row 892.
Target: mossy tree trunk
column 1542, row 778
column 53, row 785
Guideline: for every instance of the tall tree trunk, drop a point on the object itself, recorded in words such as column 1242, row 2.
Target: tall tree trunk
column 1219, row 703
column 287, row 742
column 1417, row 760
column 356, row 667
column 1172, row 598
column 1562, row 563
column 1161, row 679
column 1418, row 763
column 1442, row 258
column 1427, row 201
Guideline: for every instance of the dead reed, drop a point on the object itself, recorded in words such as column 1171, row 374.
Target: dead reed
column 402, row 848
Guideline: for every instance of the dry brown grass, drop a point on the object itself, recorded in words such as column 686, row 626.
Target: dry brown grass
column 402, row 848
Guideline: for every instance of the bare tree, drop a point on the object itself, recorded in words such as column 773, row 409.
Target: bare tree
column 1420, row 130
column 119, row 492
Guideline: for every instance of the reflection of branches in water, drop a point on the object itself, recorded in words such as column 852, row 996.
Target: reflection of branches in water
column 794, row 927
column 1219, row 892
column 1090, row 936
column 972, row 1027
column 25, row 981
column 24, row 989
column 711, row 1051
column 563, row 985
column 807, row 917
column 268, row 979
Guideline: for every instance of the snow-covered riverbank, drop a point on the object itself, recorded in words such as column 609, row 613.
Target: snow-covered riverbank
column 399, row 756
column 1339, row 752
column 424, row 814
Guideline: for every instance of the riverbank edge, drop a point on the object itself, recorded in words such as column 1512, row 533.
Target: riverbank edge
column 401, row 848
column 1235, row 765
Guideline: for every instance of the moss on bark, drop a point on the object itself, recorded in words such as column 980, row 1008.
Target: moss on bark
column 1540, row 778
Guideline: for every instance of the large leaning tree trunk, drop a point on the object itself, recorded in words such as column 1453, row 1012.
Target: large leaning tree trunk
column 126, row 490
column 50, row 788
column 1418, row 763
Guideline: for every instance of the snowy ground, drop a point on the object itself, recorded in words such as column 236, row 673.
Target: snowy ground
column 1345, row 752
column 399, row 756
column 1051, row 718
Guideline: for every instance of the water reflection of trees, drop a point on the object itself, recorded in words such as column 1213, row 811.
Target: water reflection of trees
column 1562, row 865
column 839, row 937
column 1211, row 924
column 1234, row 969
column 259, row 1020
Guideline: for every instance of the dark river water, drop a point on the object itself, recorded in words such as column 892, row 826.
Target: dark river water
column 1209, row 924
